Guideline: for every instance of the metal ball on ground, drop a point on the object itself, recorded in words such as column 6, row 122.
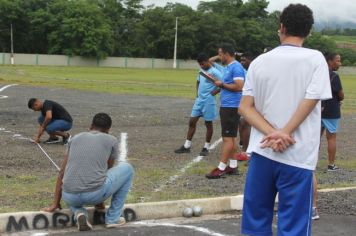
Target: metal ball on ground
column 197, row 211
column 188, row 212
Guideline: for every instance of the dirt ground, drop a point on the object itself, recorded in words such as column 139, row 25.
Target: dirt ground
column 155, row 127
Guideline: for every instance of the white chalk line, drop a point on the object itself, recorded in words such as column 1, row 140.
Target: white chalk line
column 5, row 87
column 123, row 147
column 20, row 137
column 185, row 168
column 191, row 227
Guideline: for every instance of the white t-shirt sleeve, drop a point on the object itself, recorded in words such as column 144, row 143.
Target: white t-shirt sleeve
column 248, row 86
column 319, row 86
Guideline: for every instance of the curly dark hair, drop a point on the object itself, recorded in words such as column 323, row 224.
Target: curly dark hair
column 297, row 19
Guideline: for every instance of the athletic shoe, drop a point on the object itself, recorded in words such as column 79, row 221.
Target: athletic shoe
column 182, row 149
column 231, row 171
column 332, row 167
column 204, row 152
column 216, row 174
column 121, row 222
column 66, row 139
column 315, row 215
column 83, row 223
column 242, row 156
column 52, row 140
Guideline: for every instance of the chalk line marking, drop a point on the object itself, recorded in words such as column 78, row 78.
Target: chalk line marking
column 185, row 168
column 5, row 87
column 123, row 147
column 191, row 227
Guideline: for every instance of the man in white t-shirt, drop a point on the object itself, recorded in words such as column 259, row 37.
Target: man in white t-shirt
column 281, row 101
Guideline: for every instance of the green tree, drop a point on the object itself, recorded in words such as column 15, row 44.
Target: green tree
column 79, row 28
column 317, row 41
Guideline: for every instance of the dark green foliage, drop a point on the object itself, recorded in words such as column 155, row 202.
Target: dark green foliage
column 100, row 28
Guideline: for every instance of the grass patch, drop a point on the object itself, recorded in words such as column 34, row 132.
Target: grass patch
column 343, row 39
column 157, row 82
column 25, row 192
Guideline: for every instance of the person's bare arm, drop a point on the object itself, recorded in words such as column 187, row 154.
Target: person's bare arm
column 341, row 95
column 214, row 59
column 234, row 87
column 253, row 117
column 303, row 110
column 58, row 190
column 197, row 87
column 111, row 163
column 47, row 120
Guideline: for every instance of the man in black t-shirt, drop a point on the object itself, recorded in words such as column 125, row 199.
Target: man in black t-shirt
column 331, row 113
column 54, row 119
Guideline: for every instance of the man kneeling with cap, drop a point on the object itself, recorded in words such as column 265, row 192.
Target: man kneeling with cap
column 90, row 176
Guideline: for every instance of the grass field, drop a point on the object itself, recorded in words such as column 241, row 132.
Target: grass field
column 165, row 82
column 177, row 83
column 343, row 39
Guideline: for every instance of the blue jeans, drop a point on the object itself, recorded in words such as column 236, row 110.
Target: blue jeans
column 56, row 125
column 117, row 184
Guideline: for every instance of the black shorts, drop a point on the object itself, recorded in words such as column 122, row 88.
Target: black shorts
column 229, row 118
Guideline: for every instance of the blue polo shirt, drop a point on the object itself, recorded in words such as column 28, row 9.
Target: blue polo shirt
column 234, row 71
column 206, row 87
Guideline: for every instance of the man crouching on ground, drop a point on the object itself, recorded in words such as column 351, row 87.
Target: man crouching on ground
column 90, row 177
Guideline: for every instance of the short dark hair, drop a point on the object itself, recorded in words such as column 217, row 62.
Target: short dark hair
column 31, row 102
column 202, row 57
column 329, row 56
column 228, row 48
column 102, row 121
column 298, row 20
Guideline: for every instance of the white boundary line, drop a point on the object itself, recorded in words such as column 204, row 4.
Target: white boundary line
column 190, row 164
column 5, row 87
column 123, row 147
column 195, row 228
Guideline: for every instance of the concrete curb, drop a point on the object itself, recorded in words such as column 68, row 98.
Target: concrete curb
column 36, row 220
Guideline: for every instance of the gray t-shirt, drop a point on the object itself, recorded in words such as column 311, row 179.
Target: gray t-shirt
column 88, row 155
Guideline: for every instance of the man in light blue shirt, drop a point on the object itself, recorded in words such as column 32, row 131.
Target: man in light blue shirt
column 204, row 106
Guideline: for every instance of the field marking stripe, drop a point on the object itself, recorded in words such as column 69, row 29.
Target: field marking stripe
column 7, row 86
column 195, row 228
column 190, row 164
column 123, row 147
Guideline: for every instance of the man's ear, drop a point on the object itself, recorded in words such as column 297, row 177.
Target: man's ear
column 282, row 29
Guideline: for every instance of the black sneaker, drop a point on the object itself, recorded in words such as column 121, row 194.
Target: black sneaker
column 182, row 149
column 204, row 152
column 66, row 139
column 52, row 140
column 332, row 167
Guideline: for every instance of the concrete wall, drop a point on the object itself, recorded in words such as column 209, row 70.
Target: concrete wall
column 123, row 62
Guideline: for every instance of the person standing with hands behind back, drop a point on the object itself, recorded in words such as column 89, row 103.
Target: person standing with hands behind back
column 281, row 101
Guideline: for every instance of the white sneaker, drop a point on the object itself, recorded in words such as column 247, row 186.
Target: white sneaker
column 315, row 214
column 83, row 223
column 120, row 223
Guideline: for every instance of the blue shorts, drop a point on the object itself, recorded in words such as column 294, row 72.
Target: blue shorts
column 332, row 125
column 56, row 125
column 266, row 178
column 207, row 111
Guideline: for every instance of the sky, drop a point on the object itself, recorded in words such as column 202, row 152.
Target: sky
column 324, row 10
